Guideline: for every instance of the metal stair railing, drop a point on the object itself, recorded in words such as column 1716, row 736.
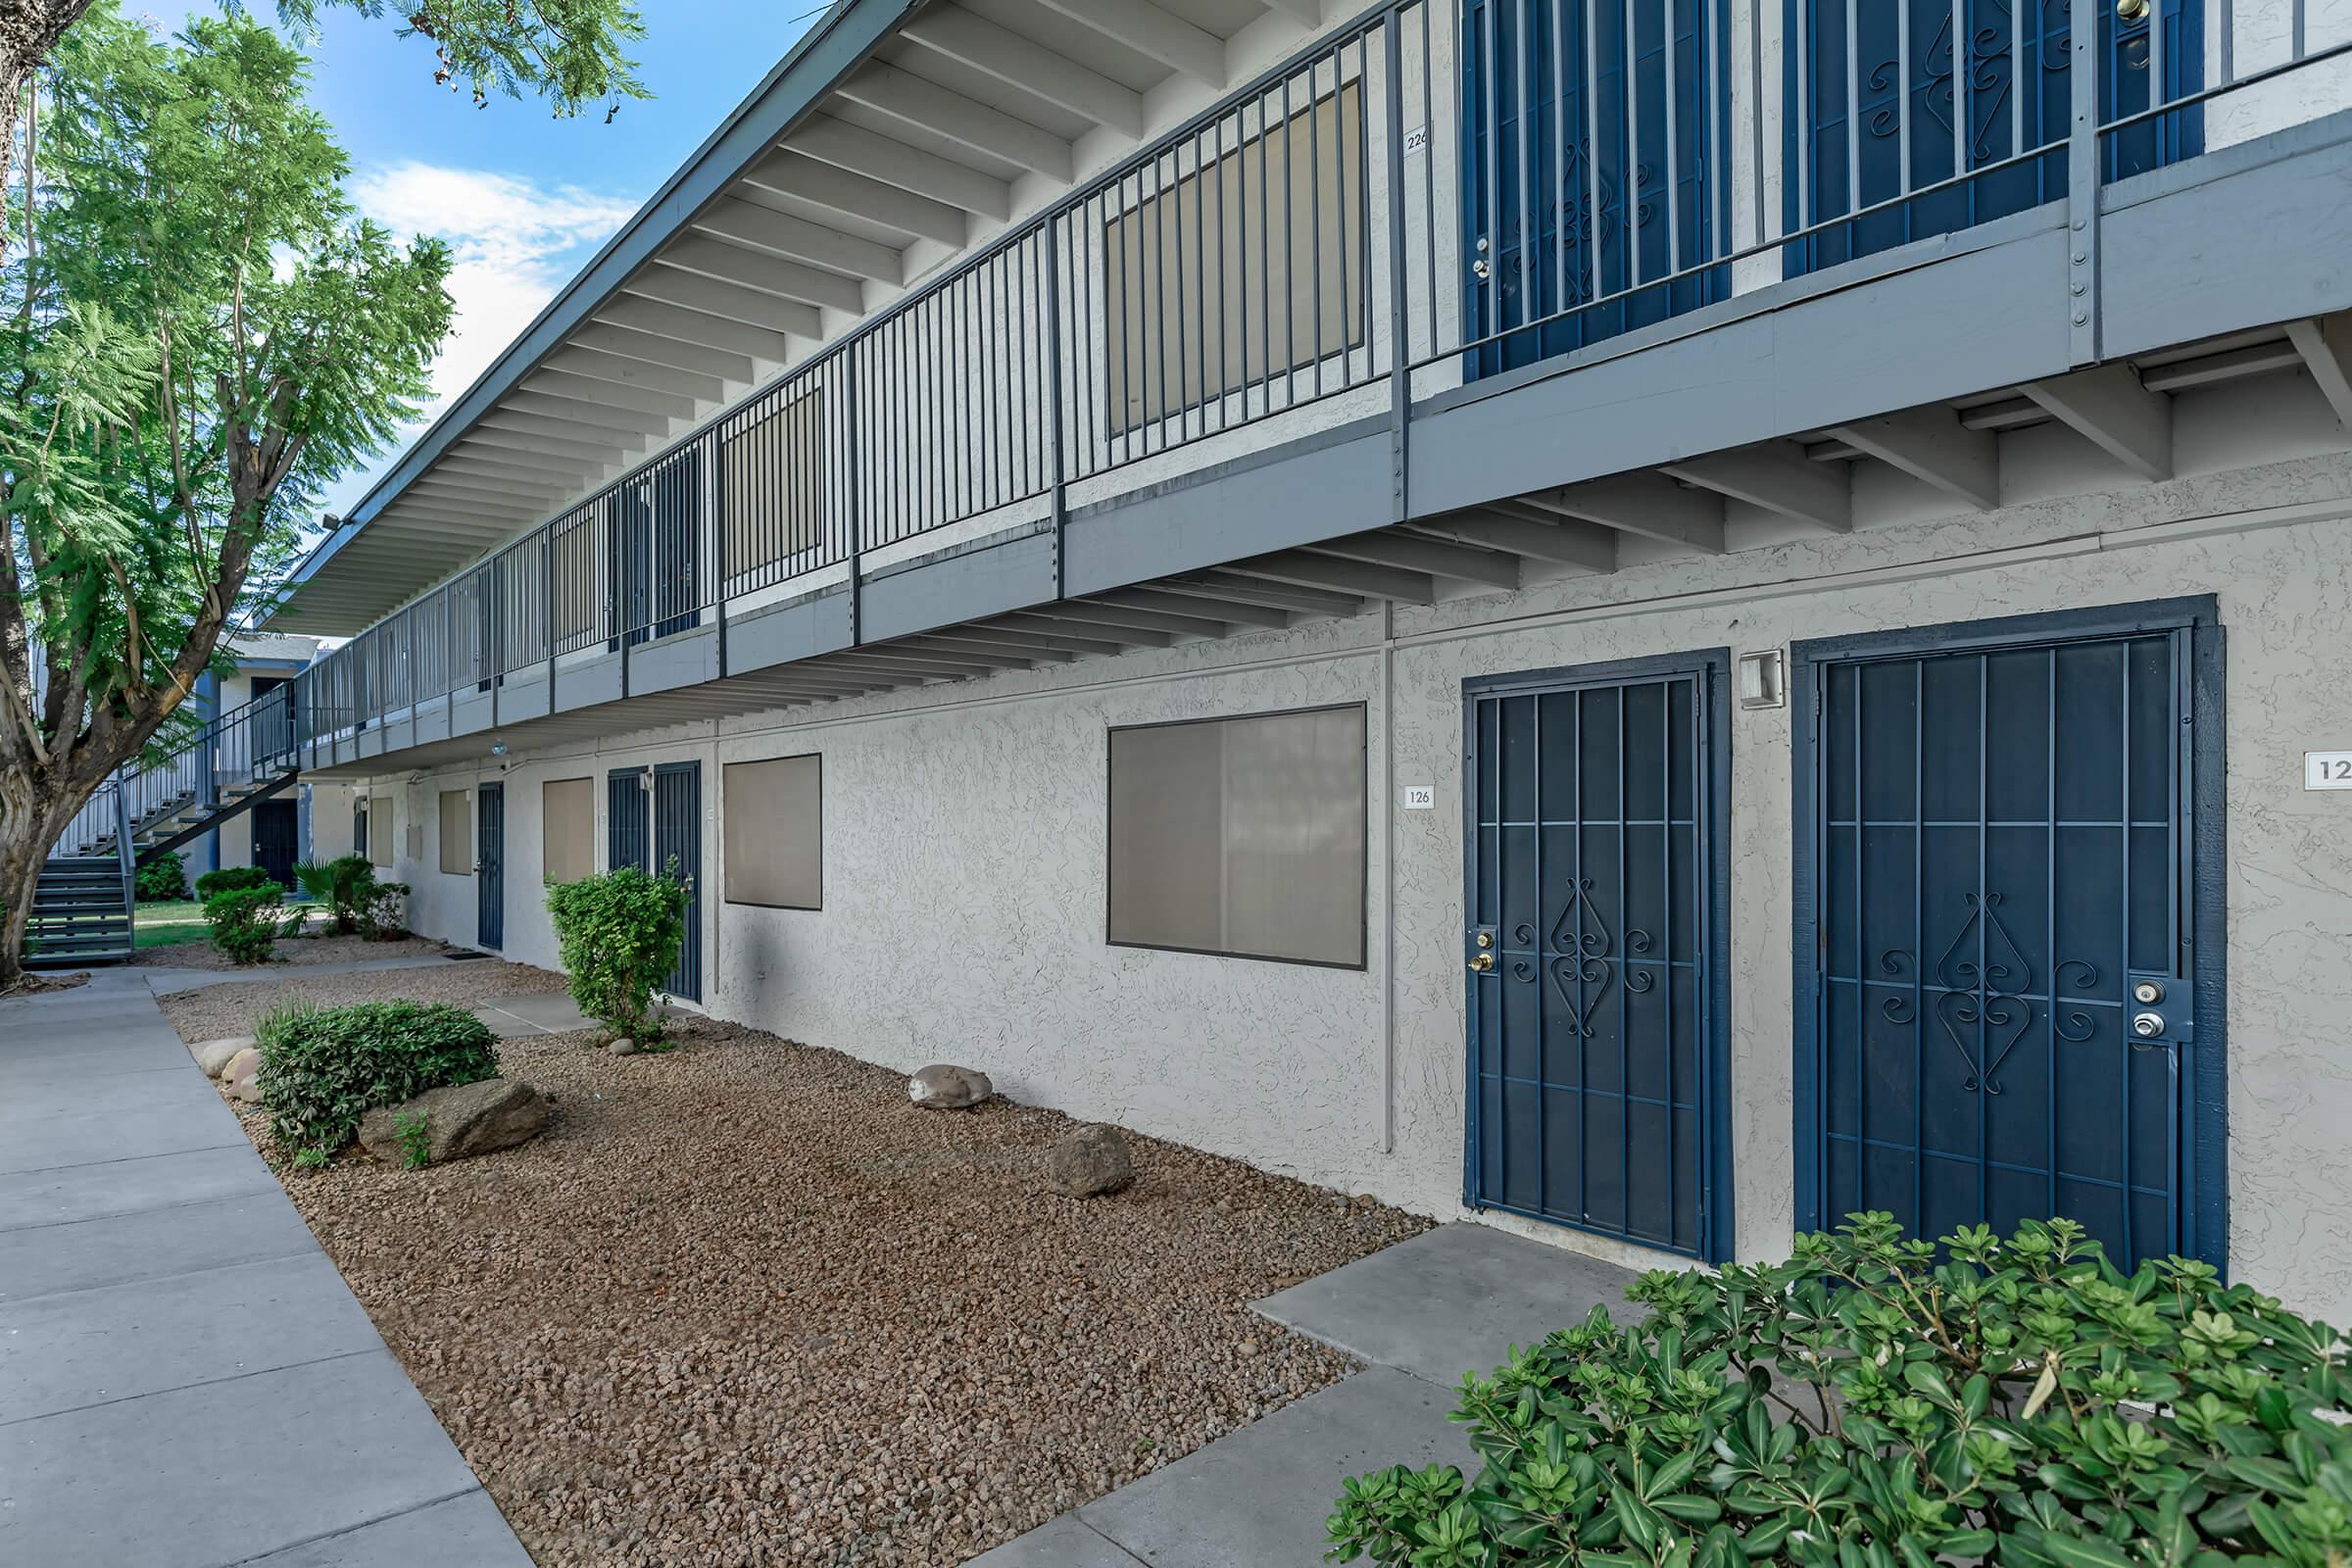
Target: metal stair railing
column 222, row 768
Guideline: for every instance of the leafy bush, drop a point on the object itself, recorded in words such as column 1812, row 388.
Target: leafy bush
column 246, row 922
column 383, row 914
column 618, row 934
column 232, row 879
column 346, row 885
column 164, row 878
column 323, row 1069
column 1866, row 1405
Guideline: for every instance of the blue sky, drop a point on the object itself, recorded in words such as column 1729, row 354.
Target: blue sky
column 523, row 198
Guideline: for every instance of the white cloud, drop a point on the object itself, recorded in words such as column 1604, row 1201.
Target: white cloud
column 513, row 244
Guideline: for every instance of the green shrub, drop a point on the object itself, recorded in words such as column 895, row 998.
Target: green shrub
column 232, row 879
column 384, row 913
column 323, row 1069
column 164, row 878
column 246, row 922
column 1868, row 1405
column 346, row 885
column 618, row 934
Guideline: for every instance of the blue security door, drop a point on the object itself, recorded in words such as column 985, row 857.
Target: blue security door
column 2009, row 989
column 653, row 821
column 1594, row 196
column 490, row 867
column 1596, row 951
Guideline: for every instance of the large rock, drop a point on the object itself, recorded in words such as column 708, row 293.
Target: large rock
column 240, row 1076
column 214, row 1054
column 941, row 1087
column 460, row 1121
column 1090, row 1161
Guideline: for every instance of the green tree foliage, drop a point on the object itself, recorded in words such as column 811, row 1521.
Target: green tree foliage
column 323, row 1069
column 618, row 934
column 1877, row 1402
column 345, row 885
column 200, row 335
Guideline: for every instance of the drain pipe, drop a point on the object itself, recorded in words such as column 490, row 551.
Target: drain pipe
column 1388, row 896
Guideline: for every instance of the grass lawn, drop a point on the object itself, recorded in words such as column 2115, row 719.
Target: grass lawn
column 167, row 924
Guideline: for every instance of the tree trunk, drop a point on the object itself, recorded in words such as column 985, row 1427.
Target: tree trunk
column 25, row 836
column 28, row 30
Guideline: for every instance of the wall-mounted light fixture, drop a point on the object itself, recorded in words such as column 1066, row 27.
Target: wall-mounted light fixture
column 498, row 747
column 1761, row 678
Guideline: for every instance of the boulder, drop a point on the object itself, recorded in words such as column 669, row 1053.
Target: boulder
column 240, row 1076
column 213, row 1054
column 1090, row 1161
column 623, row 1046
column 941, row 1087
column 460, row 1121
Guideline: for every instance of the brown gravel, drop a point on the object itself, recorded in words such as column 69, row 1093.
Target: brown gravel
column 744, row 1304
column 212, row 1012
column 303, row 949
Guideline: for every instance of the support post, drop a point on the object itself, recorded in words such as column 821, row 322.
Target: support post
column 2082, row 182
column 1054, row 444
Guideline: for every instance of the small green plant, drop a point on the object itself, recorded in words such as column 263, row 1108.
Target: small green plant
column 164, row 878
column 345, row 885
column 323, row 1069
column 383, row 914
column 415, row 1144
column 618, row 934
column 246, row 922
column 1883, row 1403
column 231, row 879
column 313, row 1159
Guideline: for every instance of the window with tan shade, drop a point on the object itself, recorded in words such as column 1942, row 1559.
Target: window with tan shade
column 456, row 834
column 772, row 488
column 567, row 823
column 775, row 832
column 379, row 830
column 1237, row 267
column 1243, row 837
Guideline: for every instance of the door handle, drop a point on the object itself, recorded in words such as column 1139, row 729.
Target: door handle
column 1481, row 963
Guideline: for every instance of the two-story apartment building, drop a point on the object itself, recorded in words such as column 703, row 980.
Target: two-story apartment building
column 1659, row 620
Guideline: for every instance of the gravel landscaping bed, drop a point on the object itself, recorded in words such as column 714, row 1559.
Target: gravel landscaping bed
column 213, row 1012
column 301, row 949
column 744, row 1304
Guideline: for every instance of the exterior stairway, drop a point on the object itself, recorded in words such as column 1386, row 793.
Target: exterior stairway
column 82, row 912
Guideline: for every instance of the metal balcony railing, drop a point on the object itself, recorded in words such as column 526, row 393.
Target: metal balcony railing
column 1459, row 187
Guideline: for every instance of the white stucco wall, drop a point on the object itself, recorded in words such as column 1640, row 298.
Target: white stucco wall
column 965, row 833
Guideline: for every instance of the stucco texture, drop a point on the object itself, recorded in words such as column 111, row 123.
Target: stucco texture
column 965, row 833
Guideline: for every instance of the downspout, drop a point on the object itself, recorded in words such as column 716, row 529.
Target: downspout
column 1388, row 896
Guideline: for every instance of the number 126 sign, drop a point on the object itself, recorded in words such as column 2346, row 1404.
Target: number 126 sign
column 2328, row 770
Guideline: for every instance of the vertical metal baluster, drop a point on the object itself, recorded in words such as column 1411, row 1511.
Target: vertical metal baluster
column 1265, row 255
column 1903, row 90
column 1674, row 161
column 1592, row 224
column 1356, row 178
column 1184, row 395
column 1919, row 943
column 2049, row 1106
column 1963, row 116
column 1853, row 111
column 2301, row 42
column 1201, row 286
column 1290, row 260
column 1315, row 212
column 1666, row 924
column 1543, row 892
column 2159, row 93
column 1129, row 288
column 1803, row 112
column 1861, row 968
column 1522, row 42
column 1563, row 173
column 2225, row 42
column 2019, row 78
column 1624, row 971
column 1983, row 925
column 1632, row 43
column 1157, row 328
column 1224, row 316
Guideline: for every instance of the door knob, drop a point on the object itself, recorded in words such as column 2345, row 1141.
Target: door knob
column 1483, row 962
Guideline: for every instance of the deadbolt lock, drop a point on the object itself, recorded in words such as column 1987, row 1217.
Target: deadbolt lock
column 2131, row 10
column 1486, row 938
column 2147, row 992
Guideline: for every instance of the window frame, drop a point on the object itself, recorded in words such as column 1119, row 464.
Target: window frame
column 588, row 782
column 724, row 897
column 466, row 840
column 1363, row 889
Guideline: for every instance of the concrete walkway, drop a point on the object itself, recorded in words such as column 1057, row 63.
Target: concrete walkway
column 1421, row 1313
column 186, row 1381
